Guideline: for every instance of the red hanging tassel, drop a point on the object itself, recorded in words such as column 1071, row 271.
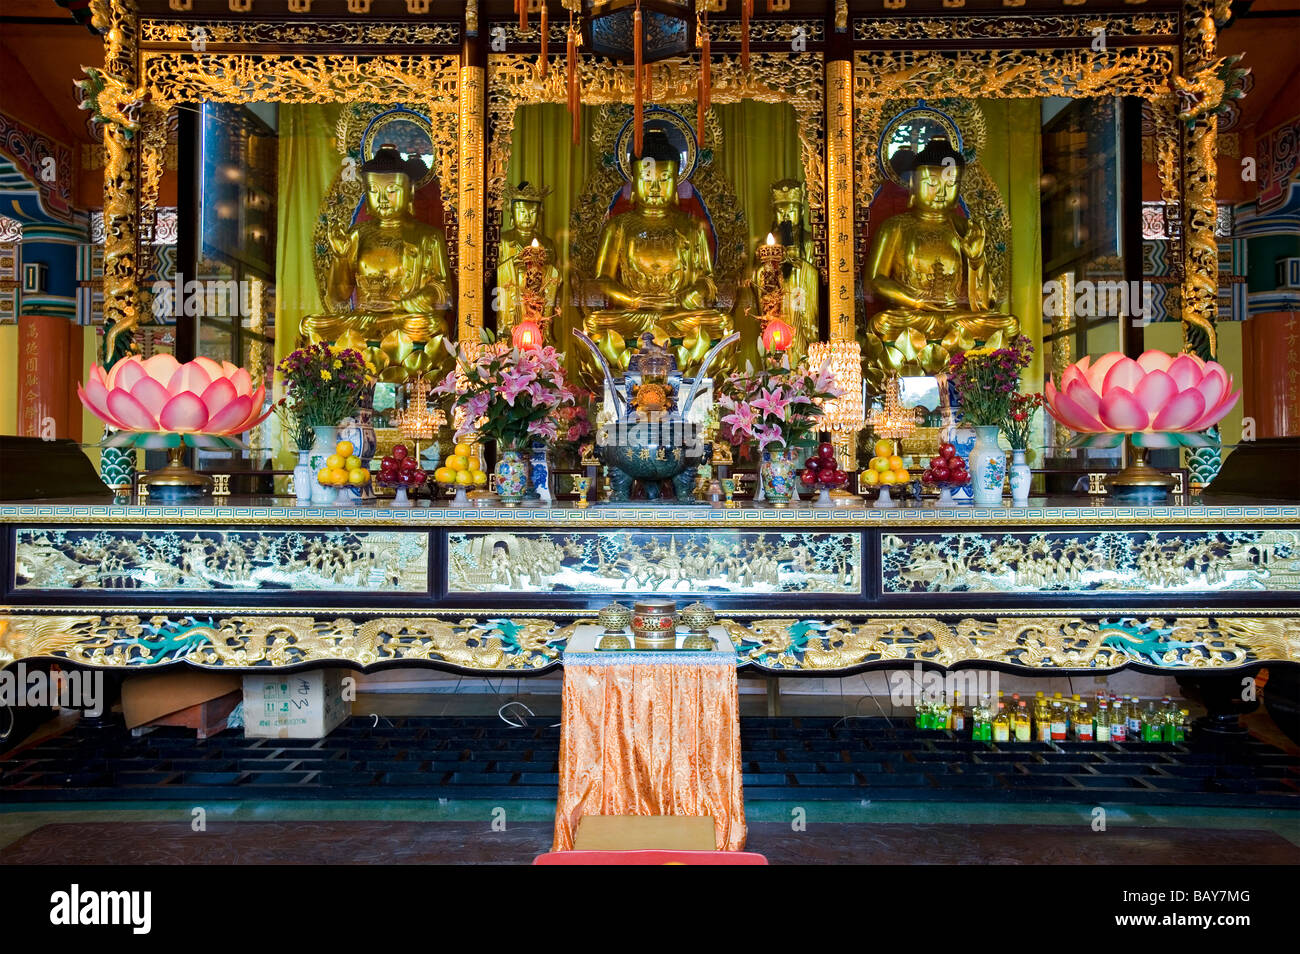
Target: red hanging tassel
column 546, row 30
column 650, row 82
column 638, row 108
column 746, row 11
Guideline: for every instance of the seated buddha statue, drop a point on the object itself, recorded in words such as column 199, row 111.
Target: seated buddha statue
column 654, row 267
column 526, row 214
column 389, row 287
column 928, row 263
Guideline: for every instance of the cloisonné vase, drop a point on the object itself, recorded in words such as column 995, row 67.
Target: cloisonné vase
column 322, row 449
column 510, row 477
column 1021, row 478
column 778, row 474
column 988, row 467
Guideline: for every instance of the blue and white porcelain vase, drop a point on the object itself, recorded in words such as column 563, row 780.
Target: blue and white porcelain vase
column 1021, row 478
column 988, row 467
column 360, row 431
column 303, row 478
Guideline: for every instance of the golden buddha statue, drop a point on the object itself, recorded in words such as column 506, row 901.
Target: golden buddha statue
column 800, row 280
column 526, row 215
column 389, row 287
column 655, row 268
column 928, row 264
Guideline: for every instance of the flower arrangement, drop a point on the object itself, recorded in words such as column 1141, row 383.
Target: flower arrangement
column 1020, row 418
column 508, row 394
column 324, row 386
column 775, row 407
column 986, row 379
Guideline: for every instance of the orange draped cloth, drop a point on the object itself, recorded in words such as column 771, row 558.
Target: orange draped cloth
column 647, row 738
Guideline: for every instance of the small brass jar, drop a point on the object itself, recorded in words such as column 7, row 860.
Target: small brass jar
column 697, row 618
column 615, row 618
column 654, row 624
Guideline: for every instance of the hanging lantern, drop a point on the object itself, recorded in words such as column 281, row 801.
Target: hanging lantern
column 527, row 336
column 778, row 335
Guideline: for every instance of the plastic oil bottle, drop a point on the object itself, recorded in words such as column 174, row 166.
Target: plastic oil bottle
column 939, row 714
column 1134, row 719
column 1020, row 722
column 1001, row 724
column 1082, row 722
column 1101, row 721
column 1118, row 721
column 1151, row 722
column 1059, row 724
column 1042, row 719
column 957, row 714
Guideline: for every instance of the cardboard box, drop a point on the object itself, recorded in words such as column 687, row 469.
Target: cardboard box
column 630, row 832
column 299, row 705
column 148, row 698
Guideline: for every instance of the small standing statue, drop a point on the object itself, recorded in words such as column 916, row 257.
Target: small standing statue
column 799, row 278
column 390, row 284
column 518, row 268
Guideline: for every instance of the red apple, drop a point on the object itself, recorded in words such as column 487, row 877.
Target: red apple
column 808, row 478
column 813, row 464
column 947, row 450
column 399, row 452
column 826, row 451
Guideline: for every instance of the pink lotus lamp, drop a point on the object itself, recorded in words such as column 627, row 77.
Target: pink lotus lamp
column 1159, row 400
column 159, row 403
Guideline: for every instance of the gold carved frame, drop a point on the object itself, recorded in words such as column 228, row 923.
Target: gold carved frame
column 155, row 81
column 513, row 81
column 1147, row 72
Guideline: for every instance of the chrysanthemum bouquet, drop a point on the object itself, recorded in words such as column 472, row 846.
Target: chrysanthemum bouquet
column 986, row 379
column 324, row 384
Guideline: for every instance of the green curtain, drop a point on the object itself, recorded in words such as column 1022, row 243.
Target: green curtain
column 760, row 145
column 1012, row 155
column 307, row 164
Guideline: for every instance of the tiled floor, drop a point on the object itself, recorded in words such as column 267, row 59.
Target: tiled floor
column 387, row 842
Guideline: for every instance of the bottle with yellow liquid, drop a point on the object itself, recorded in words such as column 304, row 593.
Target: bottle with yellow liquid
column 1060, row 725
column 1082, row 722
column 1020, row 722
column 1101, row 721
column 1042, row 719
column 1002, row 724
column 957, row 715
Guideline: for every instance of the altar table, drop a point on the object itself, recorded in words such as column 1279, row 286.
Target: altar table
column 653, row 732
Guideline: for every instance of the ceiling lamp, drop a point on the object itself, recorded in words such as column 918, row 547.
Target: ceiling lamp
column 843, row 413
column 893, row 420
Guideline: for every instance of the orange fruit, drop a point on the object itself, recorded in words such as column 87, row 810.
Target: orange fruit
column 896, row 462
column 457, row 462
column 444, row 475
column 344, row 448
column 464, row 450
column 871, row 477
column 884, row 447
column 880, row 463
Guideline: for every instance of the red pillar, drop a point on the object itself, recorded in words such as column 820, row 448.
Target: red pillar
column 46, row 379
column 1271, row 369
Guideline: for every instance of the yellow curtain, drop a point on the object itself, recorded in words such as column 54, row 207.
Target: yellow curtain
column 760, row 145
column 308, row 162
column 542, row 152
column 1013, row 157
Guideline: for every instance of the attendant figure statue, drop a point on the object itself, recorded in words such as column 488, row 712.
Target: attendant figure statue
column 800, row 280
column 526, row 218
column 654, row 267
column 928, row 263
column 389, row 289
